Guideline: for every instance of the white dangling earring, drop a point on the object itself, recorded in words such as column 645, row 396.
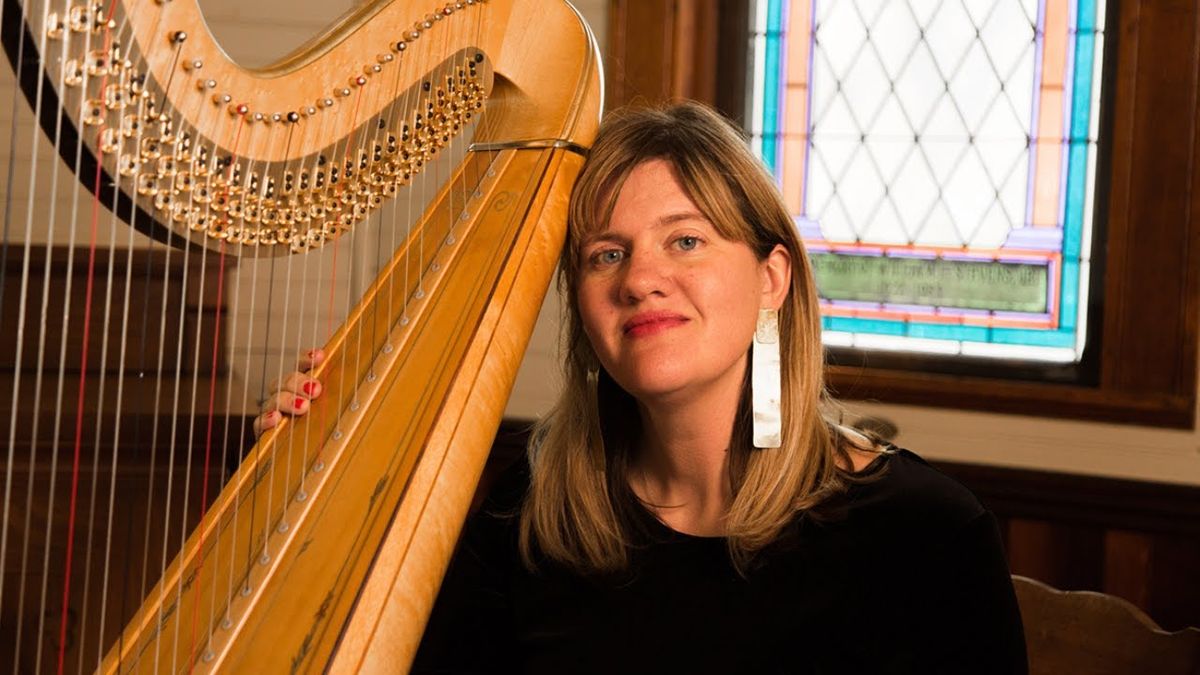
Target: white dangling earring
column 766, row 382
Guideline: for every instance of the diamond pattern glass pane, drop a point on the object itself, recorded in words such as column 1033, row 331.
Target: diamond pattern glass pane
column 938, row 158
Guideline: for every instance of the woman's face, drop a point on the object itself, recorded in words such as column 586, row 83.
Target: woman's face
column 668, row 304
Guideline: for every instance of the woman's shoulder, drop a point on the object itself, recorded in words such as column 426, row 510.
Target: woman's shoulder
column 901, row 485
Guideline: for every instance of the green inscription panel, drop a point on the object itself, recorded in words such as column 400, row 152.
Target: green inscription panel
column 1001, row 286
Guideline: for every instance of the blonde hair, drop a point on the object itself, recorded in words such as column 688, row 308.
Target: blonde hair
column 576, row 511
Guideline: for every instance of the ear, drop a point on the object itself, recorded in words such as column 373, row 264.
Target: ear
column 777, row 277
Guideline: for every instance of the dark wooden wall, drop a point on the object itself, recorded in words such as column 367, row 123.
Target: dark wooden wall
column 1136, row 540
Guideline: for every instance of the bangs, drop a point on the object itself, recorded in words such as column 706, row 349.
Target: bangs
column 595, row 201
column 707, row 185
column 711, row 188
column 710, row 161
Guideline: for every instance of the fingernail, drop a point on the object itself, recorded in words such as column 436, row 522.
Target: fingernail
column 299, row 403
column 310, row 388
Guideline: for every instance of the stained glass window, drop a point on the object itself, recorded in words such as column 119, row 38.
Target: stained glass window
column 939, row 159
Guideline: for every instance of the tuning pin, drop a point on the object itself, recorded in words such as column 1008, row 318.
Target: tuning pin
column 110, row 141
column 93, row 112
column 97, row 63
column 54, row 26
column 79, row 18
column 73, row 73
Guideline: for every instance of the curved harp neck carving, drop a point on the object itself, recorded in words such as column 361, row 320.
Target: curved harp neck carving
column 293, row 156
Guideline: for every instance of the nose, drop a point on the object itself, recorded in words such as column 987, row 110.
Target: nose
column 644, row 275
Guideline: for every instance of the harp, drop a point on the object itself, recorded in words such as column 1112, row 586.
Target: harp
column 439, row 136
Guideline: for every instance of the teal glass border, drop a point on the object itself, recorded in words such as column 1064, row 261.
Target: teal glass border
column 1084, row 78
column 772, row 82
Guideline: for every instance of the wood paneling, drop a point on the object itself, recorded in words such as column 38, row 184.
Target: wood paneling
column 54, row 285
column 662, row 50
column 1138, row 541
column 1127, row 565
column 122, row 520
column 44, row 387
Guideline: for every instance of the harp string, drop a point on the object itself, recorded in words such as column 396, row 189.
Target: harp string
column 87, row 318
column 20, row 334
column 78, row 425
column 159, row 373
column 211, row 161
column 334, row 277
column 59, row 393
column 216, row 341
column 249, row 340
column 130, row 245
column 224, row 462
column 199, row 346
column 366, row 152
column 16, row 384
column 354, row 269
column 282, row 350
column 140, row 108
column 159, row 370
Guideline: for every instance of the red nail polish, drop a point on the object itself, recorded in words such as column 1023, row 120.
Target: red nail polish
column 299, row 403
column 310, row 388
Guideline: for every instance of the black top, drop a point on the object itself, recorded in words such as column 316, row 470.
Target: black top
column 910, row 578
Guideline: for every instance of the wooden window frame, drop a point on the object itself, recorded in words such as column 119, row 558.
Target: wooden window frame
column 1146, row 335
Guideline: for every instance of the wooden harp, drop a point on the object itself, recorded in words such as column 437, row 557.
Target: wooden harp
column 321, row 547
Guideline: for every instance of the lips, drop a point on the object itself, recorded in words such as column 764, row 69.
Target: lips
column 650, row 323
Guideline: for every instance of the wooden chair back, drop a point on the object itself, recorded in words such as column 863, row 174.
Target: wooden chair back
column 1099, row 634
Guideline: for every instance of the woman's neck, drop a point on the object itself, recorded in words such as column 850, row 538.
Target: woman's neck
column 682, row 469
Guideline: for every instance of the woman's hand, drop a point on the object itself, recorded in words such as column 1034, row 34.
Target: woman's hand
column 293, row 395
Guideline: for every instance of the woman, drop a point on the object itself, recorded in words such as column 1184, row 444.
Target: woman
column 647, row 533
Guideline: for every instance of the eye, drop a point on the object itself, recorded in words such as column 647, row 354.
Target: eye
column 688, row 242
column 605, row 257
